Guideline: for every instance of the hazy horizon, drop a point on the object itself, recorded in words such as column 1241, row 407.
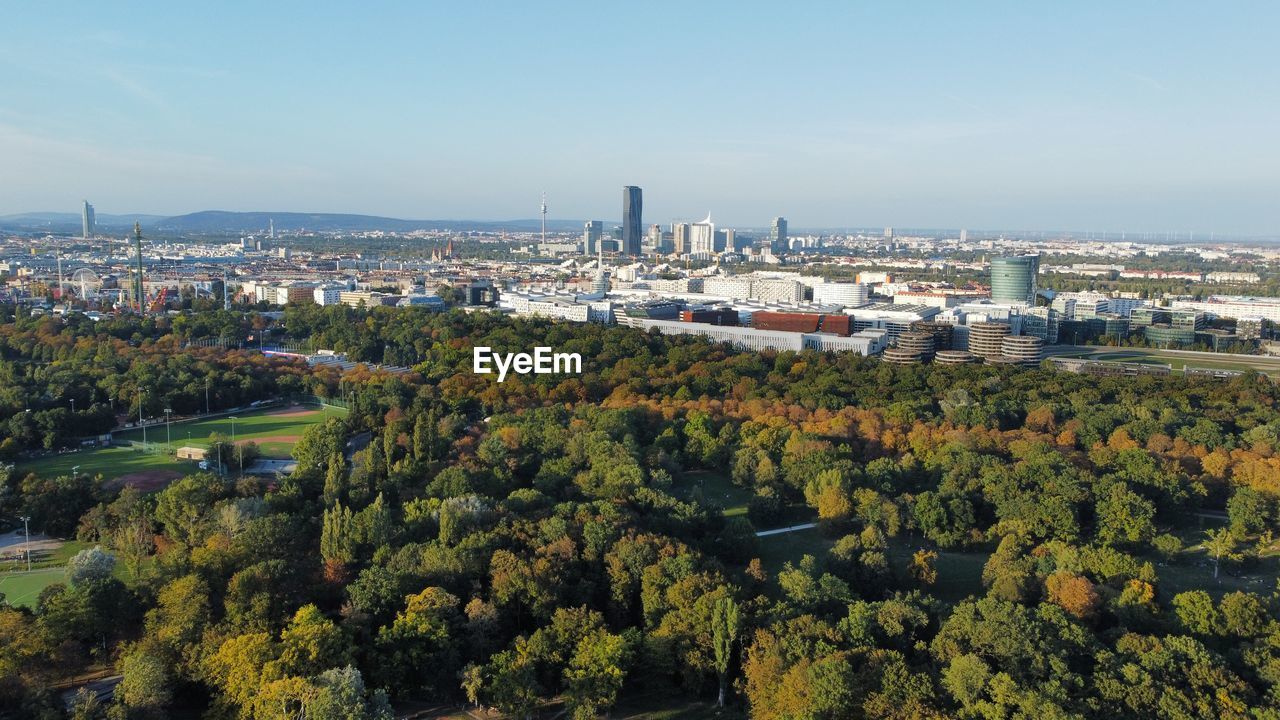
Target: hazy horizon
column 1146, row 117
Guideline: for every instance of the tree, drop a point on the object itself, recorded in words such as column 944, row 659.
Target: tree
column 1124, row 515
column 923, row 567
column 1073, row 593
column 1250, row 512
column 595, row 673
column 90, row 565
column 146, row 684
column 1169, row 546
column 311, row 644
column 340, row 694
column 724, row 635
column 417, row 650
column 1220, row 543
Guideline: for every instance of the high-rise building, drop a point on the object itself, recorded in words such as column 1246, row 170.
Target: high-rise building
column 87, row 221
column 1013, row 279
column 592, row 230
column 680, row 237
column 702, row 236
column 778, row 235
column 631, row 211
column 653, row 238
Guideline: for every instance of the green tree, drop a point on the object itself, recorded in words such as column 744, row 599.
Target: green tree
column 724, row 635
column 595, row 673
column 146, row 684
column 1220, row 543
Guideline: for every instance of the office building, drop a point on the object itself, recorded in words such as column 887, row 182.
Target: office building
column 87, row 221
column 702, row 237
column 985, row 338
column 1026, row 350
column 841, row 293
column 680, row 237
column 1013, row 279
column 632, row 203
column 653, row 239
column 911, row 348
column 942, row 332
column 592, row 231
column 954, row 357
column 778, row 235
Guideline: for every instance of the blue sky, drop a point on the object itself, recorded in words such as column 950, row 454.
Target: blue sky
column 1156, row 116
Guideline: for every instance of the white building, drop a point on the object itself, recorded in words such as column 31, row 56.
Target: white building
column 841, row 293
column 777, row 290
column 326, row 295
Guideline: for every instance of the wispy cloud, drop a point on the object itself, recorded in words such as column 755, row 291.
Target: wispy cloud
column 132, row 86
column 1146, row 80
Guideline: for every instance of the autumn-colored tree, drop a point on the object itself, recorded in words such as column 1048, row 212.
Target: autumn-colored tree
column 1073, row 593
column 923, row 566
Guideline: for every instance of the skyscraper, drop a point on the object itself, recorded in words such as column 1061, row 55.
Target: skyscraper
column 778, row 235
column 1013, row 279
column 87, row 221
column 631, row 232
column 591, row 232
column 680, row 237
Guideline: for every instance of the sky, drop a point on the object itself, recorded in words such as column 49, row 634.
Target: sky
column 1138, row 116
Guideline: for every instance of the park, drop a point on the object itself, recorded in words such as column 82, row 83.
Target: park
column 148, row 461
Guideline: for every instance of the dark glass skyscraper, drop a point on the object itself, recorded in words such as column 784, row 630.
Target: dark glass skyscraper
column 631, row 233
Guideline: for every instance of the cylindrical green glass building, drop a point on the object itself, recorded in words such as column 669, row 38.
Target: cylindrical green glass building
column 1013, row 279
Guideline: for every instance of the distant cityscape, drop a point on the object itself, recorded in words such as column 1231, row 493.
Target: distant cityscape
column 946, row 298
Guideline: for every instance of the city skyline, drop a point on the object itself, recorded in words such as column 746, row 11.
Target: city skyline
column 986, row 116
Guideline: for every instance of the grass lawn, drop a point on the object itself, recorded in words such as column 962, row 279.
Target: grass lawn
column 717, row 490
column 777, row 550
column 22, row 588
column 108, row 462
column 959, row 573
column 671, row 706
column 1151, row 356
column 272, row 431
column 275, row 435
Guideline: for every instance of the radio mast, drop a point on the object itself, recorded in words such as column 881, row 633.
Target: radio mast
column 544, row 218
column 137, row 244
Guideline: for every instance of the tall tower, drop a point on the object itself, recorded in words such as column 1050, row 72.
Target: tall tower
column 87, row 221
column 631, row 211
column 62, row 285
column 778, row 235
column 544, row 218
column 271, row 228
column 137, row 246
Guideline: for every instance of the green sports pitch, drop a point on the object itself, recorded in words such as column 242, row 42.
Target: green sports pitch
column 274, row 430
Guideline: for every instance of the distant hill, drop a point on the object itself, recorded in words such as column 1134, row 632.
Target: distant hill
column 70, row 222
column 221, row 221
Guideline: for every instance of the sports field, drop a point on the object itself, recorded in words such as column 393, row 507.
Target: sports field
column 1177, row 359
column 275, row 431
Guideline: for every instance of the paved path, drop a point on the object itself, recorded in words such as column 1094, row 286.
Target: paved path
column 792, row 528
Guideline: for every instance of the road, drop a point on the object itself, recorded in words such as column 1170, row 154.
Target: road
column 791, row 528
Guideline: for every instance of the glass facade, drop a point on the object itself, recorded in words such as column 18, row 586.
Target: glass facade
column 631, row 230
column 1013, row 279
